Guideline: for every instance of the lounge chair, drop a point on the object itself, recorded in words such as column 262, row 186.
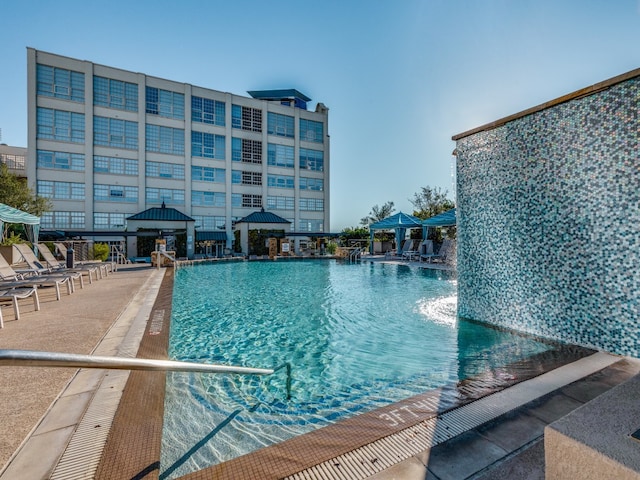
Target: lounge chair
column 426, row 251
column 411, row 252
column 12, row 279
column 14, row 294
column 446, row 251
column 34, row 264
column 57, row 266
column 103, row 268
column 406, row 246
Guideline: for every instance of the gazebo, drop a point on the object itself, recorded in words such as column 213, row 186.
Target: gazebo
column 444, row 219
column 13, row 215
column 398, row 222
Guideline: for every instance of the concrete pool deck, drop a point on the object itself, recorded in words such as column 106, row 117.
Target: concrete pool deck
column 109, row 314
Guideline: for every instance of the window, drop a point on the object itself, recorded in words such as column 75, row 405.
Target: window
column 245, row 150
column 15, row 162
column 62, row 220
column 207, row 174
column 60, row 83
column 115, row 193
column 311, row 131
column 310, row 225
column 316, row 184
column 312, row 160
column 60, row 160
column 207, row 145
column 108, row 221
column 60, row 125
column 116, row 165
column 312, row 204
column 205, row 110
column 115, row 94
column 281, row 125
column 112, row 132
column 209, row 223
column 281, row 203
column 280, row 155
column 246, row 200
column 280, row 181
column 246, row 178
column 166, row 195
column 246, row 118
column 164, row 139
column 165, row 170
column 207, row 199
column 60, row 190
column 165, row 103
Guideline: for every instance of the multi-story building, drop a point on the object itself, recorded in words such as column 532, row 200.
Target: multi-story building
column 105, row 144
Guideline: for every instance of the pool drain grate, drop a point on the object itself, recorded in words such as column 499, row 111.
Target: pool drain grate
column 386, row 452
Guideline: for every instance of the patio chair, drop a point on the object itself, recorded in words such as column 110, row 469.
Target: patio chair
column 406, row 245
column 411, row 252
column 34, row 264
column 12, row 279
column 14, row 294
column 426, row 251
column 446, row 251
column 57, row 266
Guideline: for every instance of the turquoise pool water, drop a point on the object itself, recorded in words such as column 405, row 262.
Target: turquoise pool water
column 357, row 337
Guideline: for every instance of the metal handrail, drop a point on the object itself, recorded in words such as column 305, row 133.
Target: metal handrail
column 32, row 358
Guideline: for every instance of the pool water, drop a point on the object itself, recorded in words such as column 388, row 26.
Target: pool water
column 357, row 337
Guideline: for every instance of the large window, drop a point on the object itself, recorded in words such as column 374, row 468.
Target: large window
column 312, row 159
column 207, row 199
column 245, row 150
column 207, row 145
column 280, row 155
column 246, row 178
column 281, row 203
column 280, row 181
column 316, row 184
column 311, row 131
column 61, row 160
column 164, row 139
column 166, row 195
column 108, row 221
column 60, row 83
column 246, row 200
column 205, row 110
column 207, row 174
column 60, row 125
column 113, row 132
column 165, row 170
column 310, row 225
column 281, row 125
column 60, row 190
column 115, row 165
column 60, row 220
column 207, row 223
column 111, row 93
column 115, row 193
column 312, row 204
column 165, row 103
column 246, row 118
column 15, row 162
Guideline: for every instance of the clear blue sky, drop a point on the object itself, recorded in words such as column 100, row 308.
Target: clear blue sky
column 400, row 77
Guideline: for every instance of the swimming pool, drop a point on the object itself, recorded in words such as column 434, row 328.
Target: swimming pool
column 358, row 337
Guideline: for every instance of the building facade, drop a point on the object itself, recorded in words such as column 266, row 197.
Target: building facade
column 105, row 144
column 15, row 159
column 548, row 210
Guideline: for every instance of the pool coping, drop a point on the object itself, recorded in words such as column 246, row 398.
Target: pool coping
column 132, row 449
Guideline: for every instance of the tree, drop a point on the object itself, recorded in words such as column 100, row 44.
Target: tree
column 430, row 202
column 378, row 213
column 15, row 193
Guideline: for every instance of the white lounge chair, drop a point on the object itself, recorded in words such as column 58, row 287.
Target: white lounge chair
column 14, row 294
column 12, row 279
column 34, row 264
column 57, row 266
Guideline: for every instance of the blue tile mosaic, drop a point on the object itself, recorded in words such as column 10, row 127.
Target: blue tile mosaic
column 548, row 208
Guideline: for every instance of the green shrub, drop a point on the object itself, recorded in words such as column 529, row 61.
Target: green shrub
column 331, row 248
column 100, row 251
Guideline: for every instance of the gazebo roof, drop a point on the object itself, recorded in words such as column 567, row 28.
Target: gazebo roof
column 263, row 217
column 162, row 214
column 399, row 220
column 444, row 219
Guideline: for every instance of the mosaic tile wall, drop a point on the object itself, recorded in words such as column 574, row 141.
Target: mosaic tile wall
column 549, row 222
